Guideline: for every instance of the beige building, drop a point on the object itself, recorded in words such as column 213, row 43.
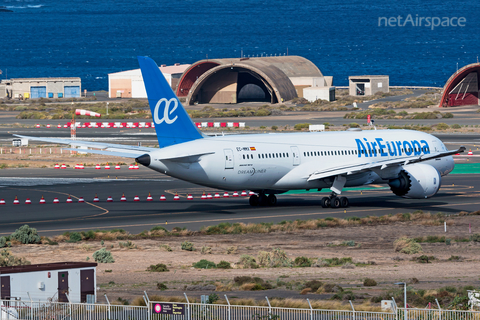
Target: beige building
column 129, row 84
column 367, row 85
column 32, row 88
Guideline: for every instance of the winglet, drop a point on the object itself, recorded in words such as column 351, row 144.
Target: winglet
column 172, row 122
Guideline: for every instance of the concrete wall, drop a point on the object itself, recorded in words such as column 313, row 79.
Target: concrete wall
column 220, row 89
column 120, row 88
column 314, row 93
column 308, row 81
column 21, row 283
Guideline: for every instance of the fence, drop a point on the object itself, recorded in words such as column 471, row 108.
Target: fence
column 199, row 311
column 69, row 311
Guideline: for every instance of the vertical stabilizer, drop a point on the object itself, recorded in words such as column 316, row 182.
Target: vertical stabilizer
column 172, row 122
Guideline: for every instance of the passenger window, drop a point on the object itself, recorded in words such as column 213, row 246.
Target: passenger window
column 243, row 156
column 276, row 155
column 304, row 154
column 269, row 155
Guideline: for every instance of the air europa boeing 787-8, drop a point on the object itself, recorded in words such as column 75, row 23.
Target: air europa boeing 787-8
column 410, row 162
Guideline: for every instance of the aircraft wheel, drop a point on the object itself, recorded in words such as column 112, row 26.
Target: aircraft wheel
column 272, row 200
column 325, row 202
column 254, row 201
column 344, row 202
column 262, row 199
column 335, row 202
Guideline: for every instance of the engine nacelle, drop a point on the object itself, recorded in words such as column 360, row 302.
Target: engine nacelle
column 416, row 181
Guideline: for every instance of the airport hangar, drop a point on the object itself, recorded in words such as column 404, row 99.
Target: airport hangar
column 234, row 80
column 462, row 88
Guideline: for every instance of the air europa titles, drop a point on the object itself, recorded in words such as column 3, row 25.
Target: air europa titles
column 381, row 148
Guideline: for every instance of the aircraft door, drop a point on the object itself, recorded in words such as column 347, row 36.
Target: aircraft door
column 228, row 158
column 296, row 155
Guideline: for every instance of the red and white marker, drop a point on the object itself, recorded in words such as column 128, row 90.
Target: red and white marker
column 117, row 167
column 162, row 198
column 136, row 198
column 65, row 126
column 226, row 195
column 48, row 126
column 244, row 193
column 63, row 166
column 28, row 201
column 2, row 201
column 55, row 200
column 57, row 166
column 79, row 166
column 176, row 197
column 69, row 199
column 42, row 200
column 251, row 193
column 135, row 167
column 109, row 199
column 96, row 199
column 204, row 196
column 217, row 196
column 81, row 200
column 59, row 126
column 130, row 167
column 123, row 198
column 97, row 167
column 209, row 196
column 16, row 201
column 149, row 198
column 38, row 126
column 470, row 153
column 81, row 112
column 189, row 197
column 107, row 167
column 235, row 194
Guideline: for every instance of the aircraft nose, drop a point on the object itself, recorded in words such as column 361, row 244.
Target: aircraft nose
column 144, row 160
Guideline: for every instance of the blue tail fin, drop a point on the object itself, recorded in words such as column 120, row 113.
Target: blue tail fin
column 172, row 122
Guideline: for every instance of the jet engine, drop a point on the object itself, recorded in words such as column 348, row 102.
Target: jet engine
column 416, row 181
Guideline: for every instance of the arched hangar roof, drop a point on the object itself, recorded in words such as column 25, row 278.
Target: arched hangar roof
column 274, row 72
column 453, row 91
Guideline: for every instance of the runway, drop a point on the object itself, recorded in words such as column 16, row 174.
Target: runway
column 459, row 192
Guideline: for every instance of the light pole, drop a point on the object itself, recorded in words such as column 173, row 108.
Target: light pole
column 404, row 296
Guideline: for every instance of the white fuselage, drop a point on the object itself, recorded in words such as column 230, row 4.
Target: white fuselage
column 284, row 161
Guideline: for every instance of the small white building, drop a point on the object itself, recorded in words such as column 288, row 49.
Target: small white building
column 368, row 85
column 312, row 94
column 129, row 84
column 49, row 281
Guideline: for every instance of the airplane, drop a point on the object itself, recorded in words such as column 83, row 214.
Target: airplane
column 410, row 162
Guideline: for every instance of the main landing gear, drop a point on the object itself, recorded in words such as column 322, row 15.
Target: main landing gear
column 263, row 200
column 335, row 202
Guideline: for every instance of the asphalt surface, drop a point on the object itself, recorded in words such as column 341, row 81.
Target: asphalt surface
column 458, row 192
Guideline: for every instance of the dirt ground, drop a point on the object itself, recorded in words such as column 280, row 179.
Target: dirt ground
column 128, row 277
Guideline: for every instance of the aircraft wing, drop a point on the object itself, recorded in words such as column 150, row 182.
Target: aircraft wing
column 120, row 150
column 381, row 164
column 110, row 149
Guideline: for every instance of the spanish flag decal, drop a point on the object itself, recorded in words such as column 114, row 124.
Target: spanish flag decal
column 253, row 149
